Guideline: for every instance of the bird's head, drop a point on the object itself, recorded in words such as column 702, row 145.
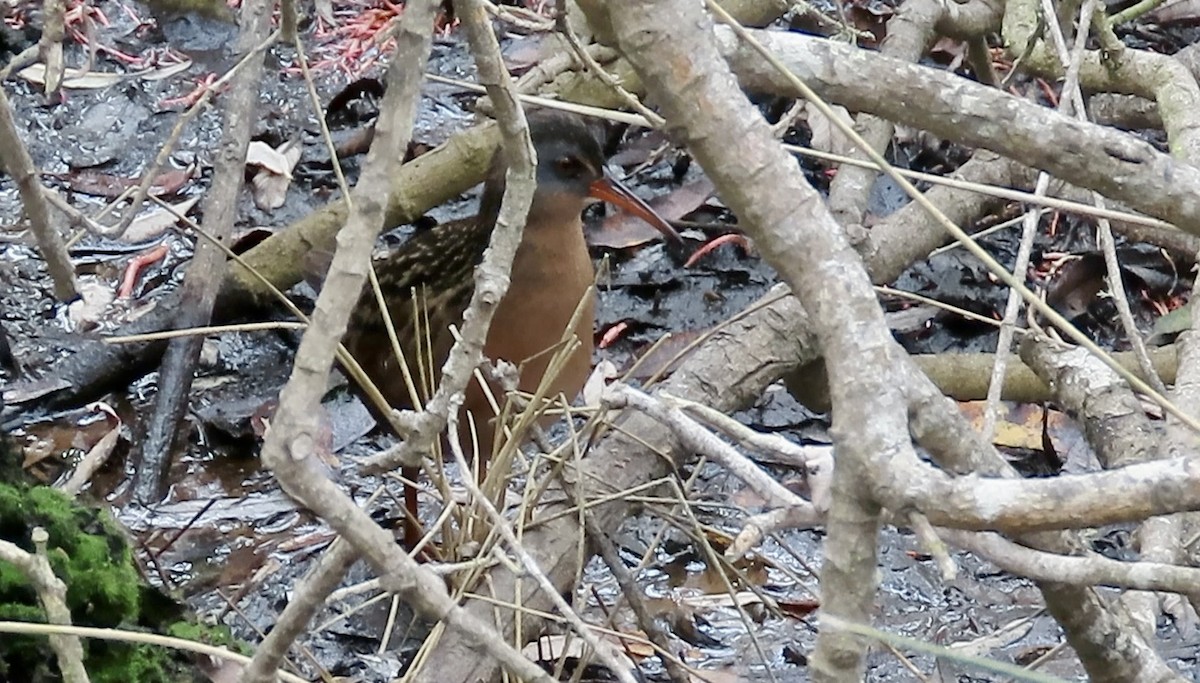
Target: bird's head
column 570, row 173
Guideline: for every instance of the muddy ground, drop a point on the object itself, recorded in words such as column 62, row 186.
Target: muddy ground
column 225, row 524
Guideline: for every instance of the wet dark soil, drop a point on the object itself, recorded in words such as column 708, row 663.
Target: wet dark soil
column 230, row 541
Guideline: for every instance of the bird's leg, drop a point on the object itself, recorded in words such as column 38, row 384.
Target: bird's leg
column 412, row 522
column 413, row 531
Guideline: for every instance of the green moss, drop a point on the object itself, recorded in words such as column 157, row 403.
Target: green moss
column 88, row 552
column 110, row 662
column 91, row 555
column 217, row 636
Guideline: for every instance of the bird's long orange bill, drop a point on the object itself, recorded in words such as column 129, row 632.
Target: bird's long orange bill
column 612, row 191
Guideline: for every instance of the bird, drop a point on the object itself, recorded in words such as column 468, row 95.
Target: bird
column 552, row 275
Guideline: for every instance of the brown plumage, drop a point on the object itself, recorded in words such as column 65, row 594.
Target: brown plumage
column 551, row 274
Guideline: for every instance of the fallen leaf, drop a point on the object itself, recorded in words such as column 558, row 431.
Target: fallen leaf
column 74, row 79
column 153, row 223
column 269, row 158
column 97, row 455
column 78, row 79
column 94, row 297
column 271, row 182
column 551, row 648
column 1021, row 425
column 593, row 389
column 1172, row 323
column 826, row 136
column 107, row 185
column 798, row 609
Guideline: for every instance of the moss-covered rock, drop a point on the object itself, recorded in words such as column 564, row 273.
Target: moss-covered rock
column 89, row 552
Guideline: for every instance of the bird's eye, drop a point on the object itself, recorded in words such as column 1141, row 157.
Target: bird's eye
column 570, row 166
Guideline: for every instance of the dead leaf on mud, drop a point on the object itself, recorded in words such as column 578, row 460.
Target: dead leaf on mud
column 97, row 455
column 274, row 174
column 826, row 136
column 75, row 79
column 93, row 182
column 85, row 313
column 551, row 648
column 155, row 222
column 1034, row 428
column 79, row 79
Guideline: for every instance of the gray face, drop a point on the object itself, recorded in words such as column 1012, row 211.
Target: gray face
column 569, row 156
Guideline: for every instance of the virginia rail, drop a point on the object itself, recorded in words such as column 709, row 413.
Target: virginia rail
column 551, row 275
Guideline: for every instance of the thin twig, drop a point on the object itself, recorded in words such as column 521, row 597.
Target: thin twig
column 14, row 157
column 52, row 595
column 164, row 153
column 958, row 233
column 121, row 636
column 530, row 566
column 1029, row 231
column 568, row 34
column 633, row 593
column 205, row 331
